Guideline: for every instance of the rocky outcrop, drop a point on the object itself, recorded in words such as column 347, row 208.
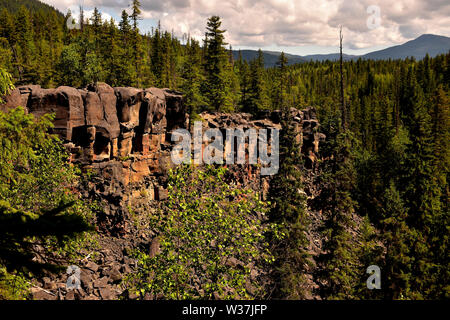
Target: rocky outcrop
column 122, row 136
column 116, row 133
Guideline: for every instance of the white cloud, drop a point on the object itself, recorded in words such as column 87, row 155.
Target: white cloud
column 88, row 13
column 284, row 23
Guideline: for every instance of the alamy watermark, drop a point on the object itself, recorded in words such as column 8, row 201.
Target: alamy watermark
column 210, row 147
column 374, row 280
column 374, row 19
column 73, row 281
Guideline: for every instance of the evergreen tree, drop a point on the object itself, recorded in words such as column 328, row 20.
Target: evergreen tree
column 258, row 99
column 193, row 77
column 281, row 84
column 126, row 58
column 24, row 46
column 289, row 211
column 398, row 264
column 243, row 72
column 137, row 41
column 338, row 271
column 216, row 87
column 96, row 21
column 34, row 162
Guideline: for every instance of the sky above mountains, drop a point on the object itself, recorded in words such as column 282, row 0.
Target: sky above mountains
column 295, row 26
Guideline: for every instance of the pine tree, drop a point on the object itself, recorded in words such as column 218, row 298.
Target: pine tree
column 441, row 134
column 137, row 41
column 192, row 78
column 216, row 86
column 338, row 271
column 96, row 20
column 160, row 60
column 258, row 99
column 421, row 190
column 281, row 84
column 289, row 211
column 113, row 64
column 399, row 238
column 7, row 29
column 369, row 252
column 243, row 72
column 24, row 47
column 289, row 206
column 128, row 71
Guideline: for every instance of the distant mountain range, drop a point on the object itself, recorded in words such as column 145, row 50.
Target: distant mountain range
column 417, row 48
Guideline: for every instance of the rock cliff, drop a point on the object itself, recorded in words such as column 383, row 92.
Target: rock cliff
column 122, row 136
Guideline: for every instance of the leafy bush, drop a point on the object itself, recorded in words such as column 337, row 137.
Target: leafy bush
column 40, row 212
column 5, row 84
column 210, row 236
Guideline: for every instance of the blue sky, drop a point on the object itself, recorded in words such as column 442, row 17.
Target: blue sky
column 295, row 26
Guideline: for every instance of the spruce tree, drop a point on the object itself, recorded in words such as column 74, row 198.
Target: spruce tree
column 338, row 265
column 137, row 41
column 243, row 71
column 258, row 99
column 217, row 85
column 126, row 78
column 281, row 82
column 289, row 211
column 24, row 47
column 192, row 78
column 399, row 238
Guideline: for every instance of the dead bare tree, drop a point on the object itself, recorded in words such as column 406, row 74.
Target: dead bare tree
column 343, row 109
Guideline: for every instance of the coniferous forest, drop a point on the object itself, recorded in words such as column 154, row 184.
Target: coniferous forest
column 385, row 158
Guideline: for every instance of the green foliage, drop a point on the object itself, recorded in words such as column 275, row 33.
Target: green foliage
column 289, row 212
column 32, row 5
column 207, row 226
column 34, row 162
column 70, row 68
column 193, row 78
column 12, row 286
column 339, row 263
column 6, row 84
column 280, row 88
column 392, row 161
column 370, row 252
column 218, row 82
column 257, row 92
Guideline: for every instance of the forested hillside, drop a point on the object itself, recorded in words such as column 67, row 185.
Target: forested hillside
column 32, row 5
column 386, row 157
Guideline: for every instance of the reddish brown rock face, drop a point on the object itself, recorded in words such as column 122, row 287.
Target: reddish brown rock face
column 111, row 123
column 120, row 134
column 101, row 111
column 129, row 102
column 116, row 132
column 65, row 102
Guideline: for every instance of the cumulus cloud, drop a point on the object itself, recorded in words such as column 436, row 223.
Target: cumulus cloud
column 88, row 13
column 263, row 23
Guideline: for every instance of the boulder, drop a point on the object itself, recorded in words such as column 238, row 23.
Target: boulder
column 101, row 111
column 18, row 97
column 154, row 111
column 129, row 101
column 65, row 102
column 176, row 111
